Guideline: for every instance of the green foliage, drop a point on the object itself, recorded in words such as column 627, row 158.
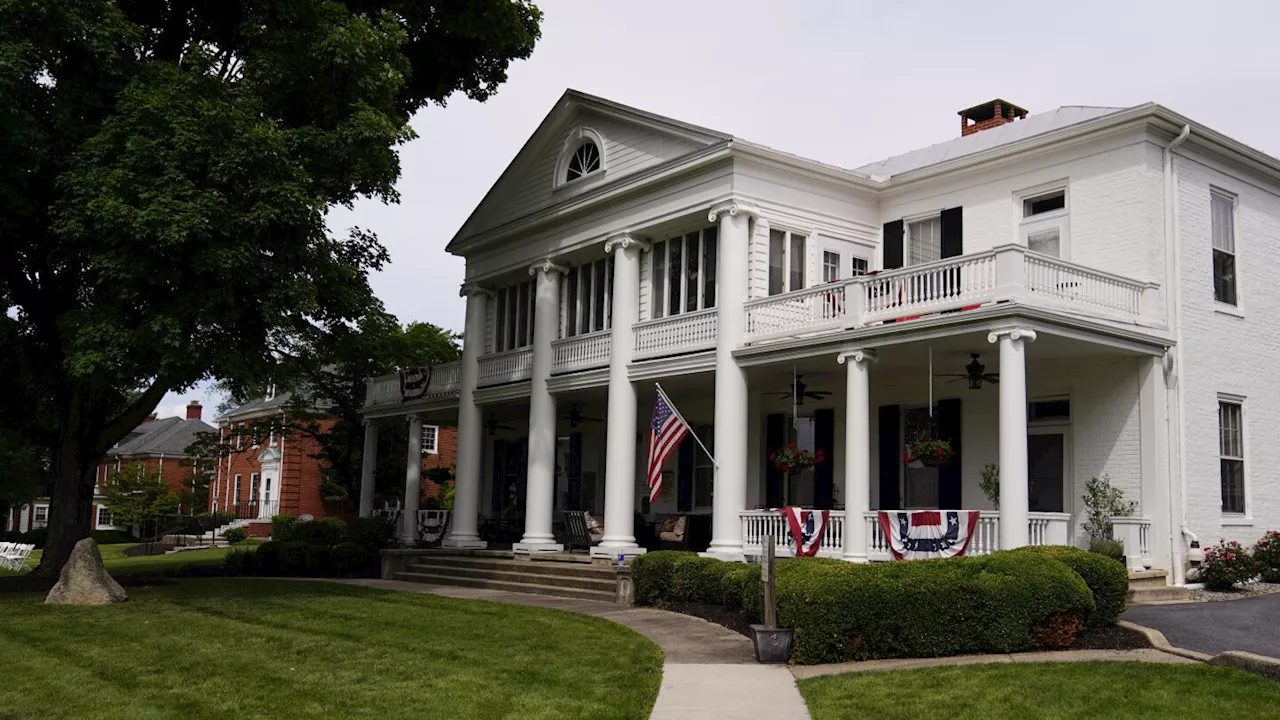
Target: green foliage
column 1226, row 565
column 137, row 496
column 282, row 527
column 990, row 484
column 1003, row 602
column 1113, row 549
column 374, row 533
column 349, row 558
column 327, row 532
column 245, row 560
column 1103, row 501
column 235, row 536
column 1266, row 553
column 1107, row 580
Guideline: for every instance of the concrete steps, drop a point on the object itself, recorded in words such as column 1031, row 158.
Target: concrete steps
column 542, row 576
column 1151, row 587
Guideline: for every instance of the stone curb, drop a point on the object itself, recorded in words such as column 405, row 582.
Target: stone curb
column 1160, row 642
column 1267, row 667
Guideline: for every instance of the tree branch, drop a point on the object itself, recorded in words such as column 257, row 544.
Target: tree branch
column 133, row 415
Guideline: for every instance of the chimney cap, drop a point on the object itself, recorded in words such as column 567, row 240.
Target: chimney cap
column 987, row 110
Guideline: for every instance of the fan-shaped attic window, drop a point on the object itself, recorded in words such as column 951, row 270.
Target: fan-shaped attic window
column 586, row 159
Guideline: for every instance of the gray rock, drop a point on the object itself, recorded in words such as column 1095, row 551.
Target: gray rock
column 84, row 581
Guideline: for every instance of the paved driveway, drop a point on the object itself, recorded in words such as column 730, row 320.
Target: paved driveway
column 1251, row 624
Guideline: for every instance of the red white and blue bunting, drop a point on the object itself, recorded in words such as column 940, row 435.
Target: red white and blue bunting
column 414, row 382
column 925, row 534
column 807, row 527
column 432, row 525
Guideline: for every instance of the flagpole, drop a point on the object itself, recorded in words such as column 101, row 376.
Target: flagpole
column 692, row 434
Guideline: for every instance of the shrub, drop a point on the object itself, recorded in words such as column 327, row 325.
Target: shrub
column 282, row 527
column 373, row 533
column 1106, row 579
column 293, row 557
column 349, row 558
column 327, row 531
column 1103, row 501
column 112, row 537
column 990, row 484
column 1266, row 554
column 1226, row 564
column 235, row 536
column 670, row 576
column 245, row 560
column 268, row 556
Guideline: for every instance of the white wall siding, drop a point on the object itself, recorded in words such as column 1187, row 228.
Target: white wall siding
column 1229, row 354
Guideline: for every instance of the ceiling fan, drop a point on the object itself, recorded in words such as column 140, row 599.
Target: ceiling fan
column 576, row 417
column 975, row 375
column 799, row 390
column 492, row 425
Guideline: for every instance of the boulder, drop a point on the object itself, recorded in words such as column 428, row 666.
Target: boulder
column 84, row 580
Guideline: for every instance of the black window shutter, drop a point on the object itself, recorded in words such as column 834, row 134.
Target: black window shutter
column 893, row 245
column 824, row 421
column 949, row 474
column 952, row 232
column 775, row 426
column 890, row 461
column 574, row 471
column 499, row 468
column 684, row 475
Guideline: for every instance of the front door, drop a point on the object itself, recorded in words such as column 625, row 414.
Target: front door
column 1046, row 470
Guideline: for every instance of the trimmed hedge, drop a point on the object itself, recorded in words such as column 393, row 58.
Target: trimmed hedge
column 324, row 547
column 1004, row 602
column 1107, row 579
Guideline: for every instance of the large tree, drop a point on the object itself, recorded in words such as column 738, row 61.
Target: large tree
column 165, row 170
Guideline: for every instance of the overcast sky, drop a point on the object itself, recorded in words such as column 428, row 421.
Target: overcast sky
column 844, row 82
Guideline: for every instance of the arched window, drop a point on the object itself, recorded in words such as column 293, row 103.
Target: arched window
column 586, row 159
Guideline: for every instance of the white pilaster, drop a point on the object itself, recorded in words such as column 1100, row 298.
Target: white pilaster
column 731, row 446
column 368, row 464
column 1013, row 434
column 541, row 485
column 857, row 443
column 412, row 484
column 620, row 431
column 1155, row 504
column 463, row 530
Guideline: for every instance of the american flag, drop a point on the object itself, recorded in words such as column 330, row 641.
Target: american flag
column 665, row 433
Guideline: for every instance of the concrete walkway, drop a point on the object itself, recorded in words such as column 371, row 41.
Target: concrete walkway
column 708, row 671
column 1249, row 624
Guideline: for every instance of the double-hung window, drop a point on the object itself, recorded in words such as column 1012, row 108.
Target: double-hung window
column 924, row 240
column 1223, row 209
column 830, row 266
column 684, row 273
column 513, row 317
column 104, row 516
column 42, row 516
column 786, row 261
column 235, row 499
column 588, row 292
column 1231, row 455
column 1045, row 228
column 430, row 439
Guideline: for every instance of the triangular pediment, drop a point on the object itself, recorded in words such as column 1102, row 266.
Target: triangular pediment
column 632, row 140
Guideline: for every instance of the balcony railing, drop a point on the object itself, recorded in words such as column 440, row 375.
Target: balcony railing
column 1135, row 533
column 385, row 389
column 1010, row 272
column 581, row 353
column 505, row 367
column 1043, row 529
column 688, row 332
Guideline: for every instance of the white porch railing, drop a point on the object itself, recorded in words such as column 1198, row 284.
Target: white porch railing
column 1135, row 533
column 811, row 310
column 1042, row 529
column 687, row 332
column 1052, row 281
column 758, row 523
column 581, row 353
column 505, row 367
column 933, row 287
column 385, row 389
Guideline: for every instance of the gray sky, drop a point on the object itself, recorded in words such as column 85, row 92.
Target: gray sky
column 842, row 82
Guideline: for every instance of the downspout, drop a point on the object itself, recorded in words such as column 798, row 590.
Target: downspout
column 1177, row 458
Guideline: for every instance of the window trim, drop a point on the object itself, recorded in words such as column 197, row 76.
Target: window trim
column 1235, row 308
column 578, row 137
column 907, row 222
column 1060, row 219
column 98, row 519
column 435, row 440
column 788, row 237
column 1246, row 515
column 659, row 302
column 235, row 499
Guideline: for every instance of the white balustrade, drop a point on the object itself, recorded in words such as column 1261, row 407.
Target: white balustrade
column 581, row 353
column 687, row 332
column 949, row 284
column 1057, row 283
column 810, row 310
column 758, row 523
column 1135, row 533
column 505, row 367
column 385, row 389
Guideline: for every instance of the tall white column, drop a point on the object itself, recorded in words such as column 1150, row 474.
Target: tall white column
column 541, row 484
column 857, row 443
column 731, row 446
column 1155, row 505
column 463, row 530
column 1013, row 434
column 368, row 464
column 620, row 431
column 412, row 484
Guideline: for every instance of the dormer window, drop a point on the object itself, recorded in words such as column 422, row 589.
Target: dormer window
column 586, row 159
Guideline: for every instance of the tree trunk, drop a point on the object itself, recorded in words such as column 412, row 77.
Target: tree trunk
column 70, row 506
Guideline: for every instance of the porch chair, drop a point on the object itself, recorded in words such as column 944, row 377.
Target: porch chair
column 581, row 530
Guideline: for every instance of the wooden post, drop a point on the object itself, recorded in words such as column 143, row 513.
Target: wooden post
column 766, row 574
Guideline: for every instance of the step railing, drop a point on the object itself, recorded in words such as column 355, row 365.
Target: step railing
column 686, row 332
column 582, row 352
column 505, row 367
column 1135, row 533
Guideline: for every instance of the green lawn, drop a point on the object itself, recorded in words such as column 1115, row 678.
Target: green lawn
column 1047, row 690
column 248, row 648
column 119, row 564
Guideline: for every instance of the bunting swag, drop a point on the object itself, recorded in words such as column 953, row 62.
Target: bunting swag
column 924, row 534
column 432, row 524
column 414, row 382
column 807, row 527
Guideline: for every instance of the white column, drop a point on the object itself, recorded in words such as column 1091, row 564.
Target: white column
column 541, row 484
column 463, row 530
column 368, row 464
column 1013, row 435
column 857, row 443
column 412, row 484
column 1155, row 504
column 620, row 431
column 731, row 446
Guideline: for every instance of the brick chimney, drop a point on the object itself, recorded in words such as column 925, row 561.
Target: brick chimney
column 150, row 418
column 989, row 115
column 193, row 410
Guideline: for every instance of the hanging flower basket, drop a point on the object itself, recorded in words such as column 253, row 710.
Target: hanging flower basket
column 930, row 453
column 793, row 459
